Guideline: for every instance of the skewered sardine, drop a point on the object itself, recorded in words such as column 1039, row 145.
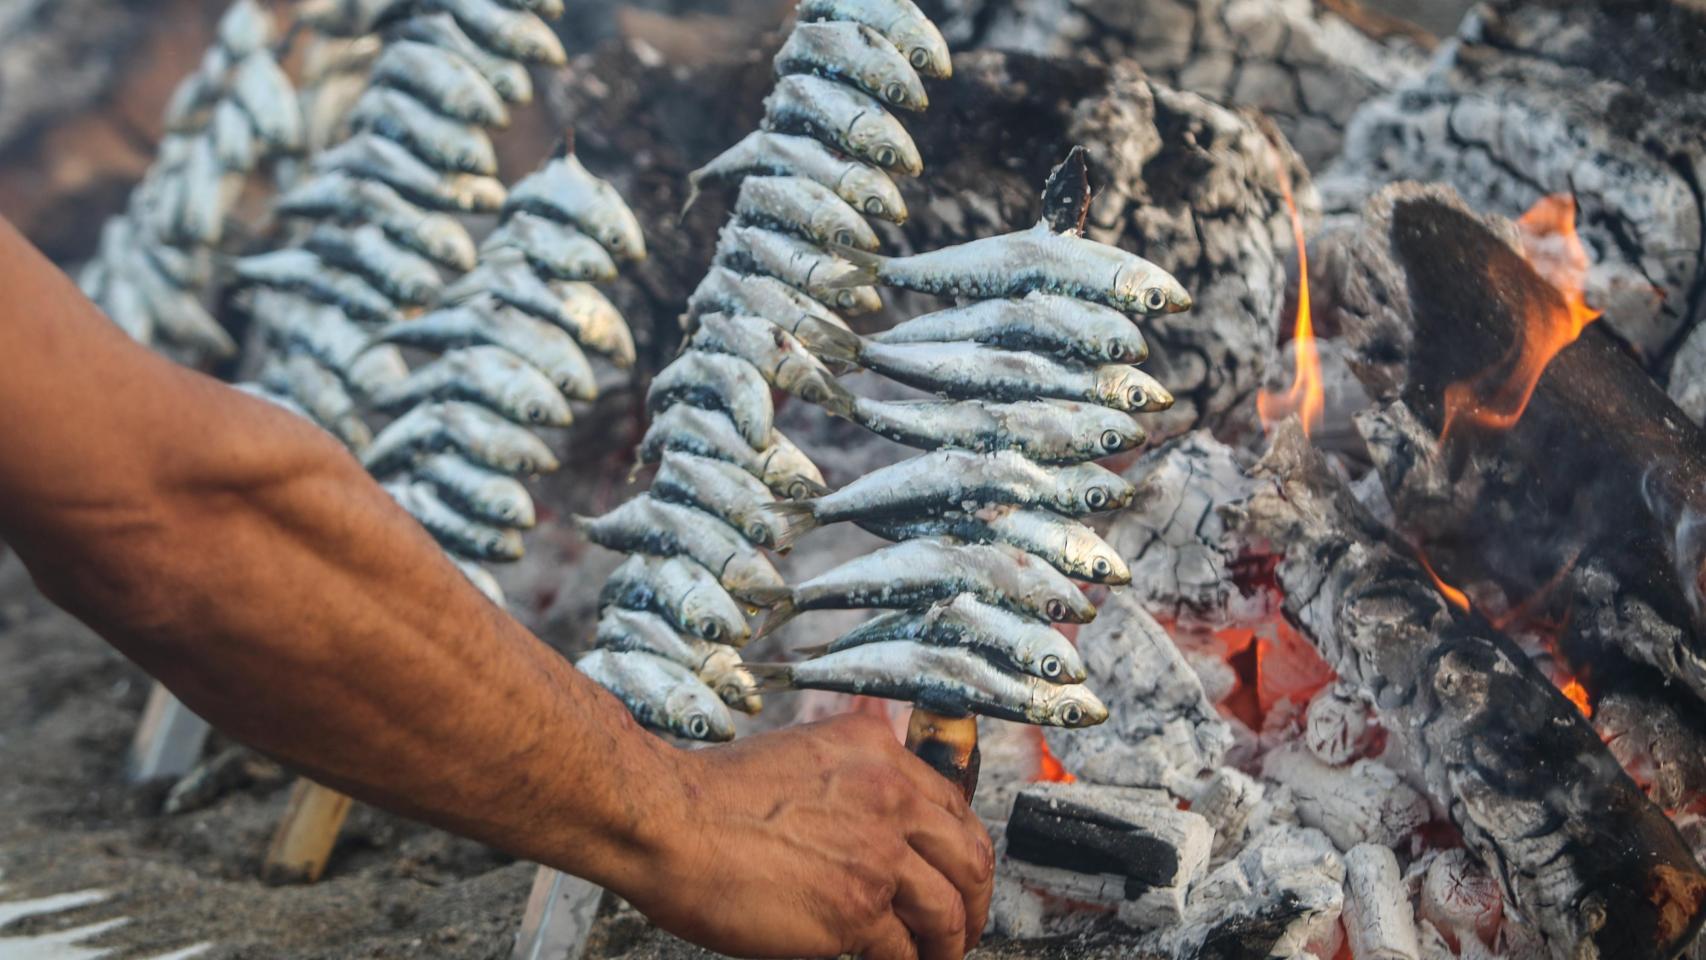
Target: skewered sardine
column 349, row 199
column 1069, row 546
column 780, row 357
column 1014, row 264
column 661, row 694
column 951, row 480
column 302, row 271
column 579, row 308
column 950, row 680
column 377, row 158
column 651, row 526
column 782, row 466
column 682, row 591
column 1047, row 431
column 900, row 21
column 320, row 391
column 453, row 531
column 261, row 88
column 400, row 274
column 719, row 488
column 509, row 78
column 567, row 191
column 499, row 27
column 854, row 54
column 483, row 321
column 481, row 493
column 926, row 571
column 804, row 208
column 853, row 122
column 444, row 80
column 490, row 376
column 478, row 434
column 725, row 291
column 557, row 250
column 976, row 371
column 444, row 142
column 866, row 187
column 1026, row 645
column 1062, row 327
column 717, row 381
column 719, row 666
column 797, row 263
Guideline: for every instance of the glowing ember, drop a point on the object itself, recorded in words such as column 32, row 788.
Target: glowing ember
column 1453, row 596
column 1578, row 695
column 1305, row 397
column 1049, row 767
column 1496, row 399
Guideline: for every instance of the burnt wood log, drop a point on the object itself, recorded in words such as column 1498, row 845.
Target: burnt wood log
column 1605, row 100
column 1584, row 858
column 1602, row 474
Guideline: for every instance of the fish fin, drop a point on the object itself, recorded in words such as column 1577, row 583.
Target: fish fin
column 814, row 650
column 794, row 519
column 766, row 597
column 867, row 268
column 770, row 677
column 840, row 401
column 779, row 615
column 693, row 181
column 830, row 342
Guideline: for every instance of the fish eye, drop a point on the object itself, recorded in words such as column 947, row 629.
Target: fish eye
column 1101, row 567
column 1155, row 299
column 537, row 413
column 920, row 58
column 844, row 237
column 710, row 630
column 757, row 533
column 812, row 393
column 1111, row 441
column 886, row 156
column 874, row 206
column 1051, row 666
column 798, row 490
column 846, row 299
column 1116, row 352
column 613, row 239
column 1056, row 609
column 1096, row 498
column 698, row 727
column 895, row 93
column 1071, row 714
column 1134, row 397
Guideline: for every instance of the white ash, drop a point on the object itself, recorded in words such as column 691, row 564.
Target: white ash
column 1180, row 549
column 1379, row 919
column 1336, row 725
column 1366, row 802
column 1228, row 800
column 1162, row 731
column 1460, row 898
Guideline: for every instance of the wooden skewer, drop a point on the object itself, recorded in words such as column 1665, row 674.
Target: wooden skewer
column 306, row 835
column 559, row 917
column 168, row 739
column 948, row 745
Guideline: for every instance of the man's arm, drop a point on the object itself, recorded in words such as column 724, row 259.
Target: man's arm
column 241, row 556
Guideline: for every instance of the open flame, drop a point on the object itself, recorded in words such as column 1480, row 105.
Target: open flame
column 1496, row 399
column 1305, row 396
column 1049, row 767
column 1578, row 695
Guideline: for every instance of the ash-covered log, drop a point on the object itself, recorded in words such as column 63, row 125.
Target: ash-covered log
column 1585, row 858
column 1600, row 470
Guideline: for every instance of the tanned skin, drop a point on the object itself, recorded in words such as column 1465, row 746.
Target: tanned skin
column 241, row 556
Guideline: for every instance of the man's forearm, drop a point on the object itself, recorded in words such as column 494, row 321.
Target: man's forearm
column 243, row 558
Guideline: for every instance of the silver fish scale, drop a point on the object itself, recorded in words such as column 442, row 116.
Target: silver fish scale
column 807, row 181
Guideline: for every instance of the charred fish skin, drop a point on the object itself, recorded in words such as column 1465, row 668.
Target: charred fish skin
column 866, row 188
column 918, row 572
column 975, row 371
column 1021, row 643
column 718, row 381
column 749, row 294
column 900, row 21
column 797, row 263
column 1037, row 259
column 661, row 694
column 804, row 208
column 854, row 54
column 852, row 121
column 951, row 680
column 682, row 591
column 650, row 526
column 1047, row 431
column 1061, row 327
column 952, row 481
column 1065, row 544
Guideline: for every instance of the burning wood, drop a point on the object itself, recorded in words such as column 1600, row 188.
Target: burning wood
column 1379, row 921
column 1365, row 802
column 1584, row 857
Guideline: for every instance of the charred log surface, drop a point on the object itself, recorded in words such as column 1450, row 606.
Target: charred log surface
column 1308, row 65
column 1602, row 474
column 1593, row 865
column 1605, row 100
column 1093, row 831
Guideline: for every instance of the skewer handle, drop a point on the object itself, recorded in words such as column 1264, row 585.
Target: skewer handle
column 948, row 745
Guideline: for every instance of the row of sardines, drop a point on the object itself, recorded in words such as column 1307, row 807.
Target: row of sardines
column 673, row 616
column 236, row 113
column 382, row 270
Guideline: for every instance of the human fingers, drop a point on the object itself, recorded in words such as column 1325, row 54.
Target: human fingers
column 889, row 940
column 963, row 855
column 932, row 908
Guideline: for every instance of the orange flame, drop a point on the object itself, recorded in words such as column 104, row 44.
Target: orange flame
column 1578, row 695
column 1049, row 767
column 1552, row 246
column 1305, row 396
column 1453, row 596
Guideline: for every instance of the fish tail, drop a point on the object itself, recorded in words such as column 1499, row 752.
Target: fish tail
column 765, row 598
column 770, row 677
column 793, row 518
column 693, row 181
column 867, row 268
column 830, row 342
column 780, row 614
column 840, row 400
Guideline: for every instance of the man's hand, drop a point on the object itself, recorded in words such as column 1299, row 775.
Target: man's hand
column 818, row 841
